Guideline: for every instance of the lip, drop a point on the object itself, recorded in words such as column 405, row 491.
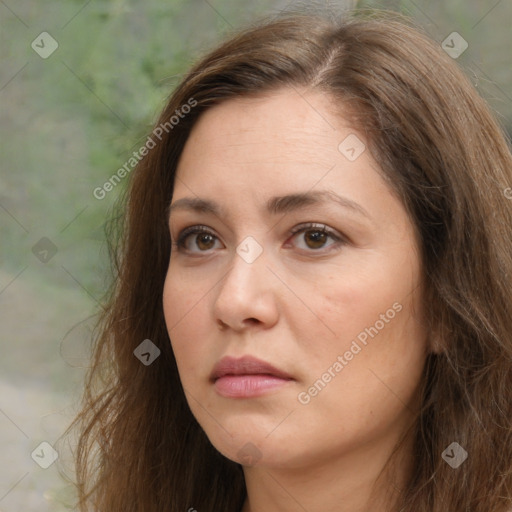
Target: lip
column 246, row 377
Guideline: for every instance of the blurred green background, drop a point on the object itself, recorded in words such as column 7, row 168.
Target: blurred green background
column 68, row 121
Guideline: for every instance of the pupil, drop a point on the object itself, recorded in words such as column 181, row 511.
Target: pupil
column 318, row 238
column 203, row 237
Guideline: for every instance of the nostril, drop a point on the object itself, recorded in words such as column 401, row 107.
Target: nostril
column 222, row 325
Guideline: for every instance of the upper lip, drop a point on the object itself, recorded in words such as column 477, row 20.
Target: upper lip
column 246, row 365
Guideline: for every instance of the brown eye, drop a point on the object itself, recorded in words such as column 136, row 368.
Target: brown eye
column 316, row 236
column 203, row 239
column 315, row 239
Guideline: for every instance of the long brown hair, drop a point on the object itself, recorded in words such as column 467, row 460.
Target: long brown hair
column 441, row 151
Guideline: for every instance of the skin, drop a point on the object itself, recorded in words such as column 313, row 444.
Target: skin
column 299, row 305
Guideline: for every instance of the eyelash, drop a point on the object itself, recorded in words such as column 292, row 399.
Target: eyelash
column 320, row 228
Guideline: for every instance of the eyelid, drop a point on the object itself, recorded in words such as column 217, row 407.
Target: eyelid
column 318, row 226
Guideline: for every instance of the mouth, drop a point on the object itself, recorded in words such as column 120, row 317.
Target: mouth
column 246, row 377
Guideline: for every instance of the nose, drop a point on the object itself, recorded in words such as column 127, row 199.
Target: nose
column 246, row 295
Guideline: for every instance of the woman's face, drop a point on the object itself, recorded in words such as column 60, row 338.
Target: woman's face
column 334, row 307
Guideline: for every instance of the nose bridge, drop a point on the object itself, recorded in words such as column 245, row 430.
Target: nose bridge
column 244, row 291
column 248, row 266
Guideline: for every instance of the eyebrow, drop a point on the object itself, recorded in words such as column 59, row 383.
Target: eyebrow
column 275, row 205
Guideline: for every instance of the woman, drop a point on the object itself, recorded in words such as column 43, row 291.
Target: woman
column 312, row 306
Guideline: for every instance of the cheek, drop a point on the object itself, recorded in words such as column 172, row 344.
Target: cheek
column 350, row 303
column 374, row 382
column 182, row 307
column 383, row 346
column 374, row 314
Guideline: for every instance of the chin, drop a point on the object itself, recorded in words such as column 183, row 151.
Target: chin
column 251, row 445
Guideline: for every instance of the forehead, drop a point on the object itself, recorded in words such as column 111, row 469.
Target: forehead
column 281, row 143
column 286, row 126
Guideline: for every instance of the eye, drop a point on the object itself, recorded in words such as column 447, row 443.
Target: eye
column 204, row 239
column 316, row 236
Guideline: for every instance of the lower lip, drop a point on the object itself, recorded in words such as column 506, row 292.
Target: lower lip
column 247, row 386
